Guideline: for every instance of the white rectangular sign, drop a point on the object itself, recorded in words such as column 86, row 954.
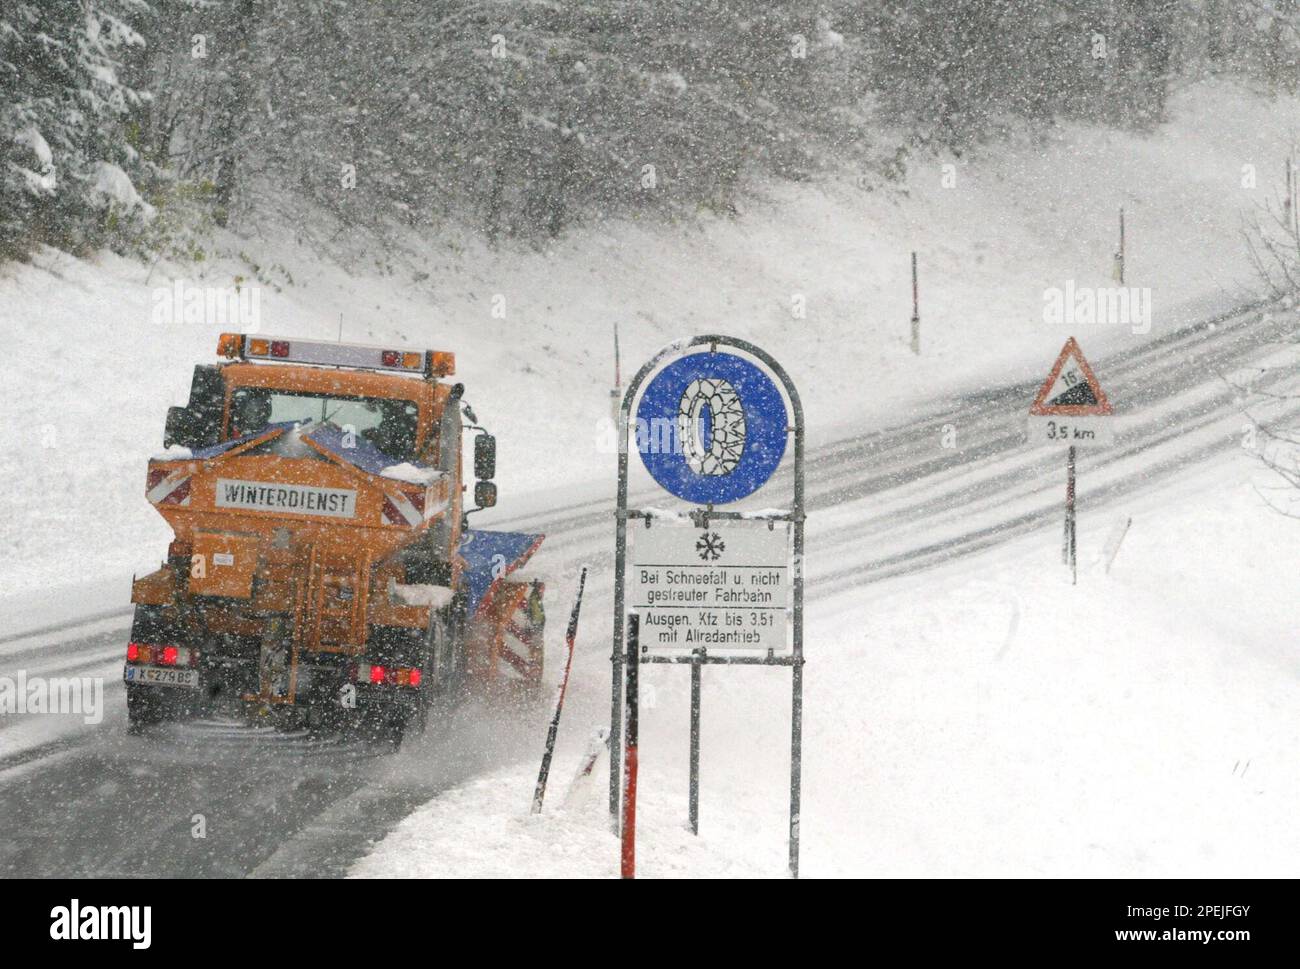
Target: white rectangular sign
column 724, row 587
column 295, row 499
column 1086, row 431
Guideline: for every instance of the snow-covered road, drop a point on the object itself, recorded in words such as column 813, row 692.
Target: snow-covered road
column 899, row 500
column 884, row 502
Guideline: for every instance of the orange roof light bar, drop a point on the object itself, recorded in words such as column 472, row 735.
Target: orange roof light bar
column 442, row 363
column 431, row 363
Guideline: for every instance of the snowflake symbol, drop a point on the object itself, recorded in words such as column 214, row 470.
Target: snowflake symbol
column 710, row 546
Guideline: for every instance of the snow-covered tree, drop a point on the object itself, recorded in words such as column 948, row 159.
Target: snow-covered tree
column 67, row 168
column 522, row 119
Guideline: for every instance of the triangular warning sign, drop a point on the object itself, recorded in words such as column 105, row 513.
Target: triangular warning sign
column 1071, row 389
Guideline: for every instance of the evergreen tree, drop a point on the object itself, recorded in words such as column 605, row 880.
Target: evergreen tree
column 67, row 167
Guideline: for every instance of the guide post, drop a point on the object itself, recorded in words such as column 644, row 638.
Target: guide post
column 916, row 311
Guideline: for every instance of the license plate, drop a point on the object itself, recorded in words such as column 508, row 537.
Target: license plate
column 162, row 676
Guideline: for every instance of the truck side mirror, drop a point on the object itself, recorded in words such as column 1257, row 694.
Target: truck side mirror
column 180, row 427
column 485, row 494
column 199, row 424
column 485, row 457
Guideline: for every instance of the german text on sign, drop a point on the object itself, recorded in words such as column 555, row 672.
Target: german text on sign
column 724, row 586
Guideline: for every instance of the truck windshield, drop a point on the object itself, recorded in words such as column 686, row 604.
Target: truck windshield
column 387, row 424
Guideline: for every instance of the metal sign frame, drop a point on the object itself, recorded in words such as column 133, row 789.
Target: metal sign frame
column 700, row 656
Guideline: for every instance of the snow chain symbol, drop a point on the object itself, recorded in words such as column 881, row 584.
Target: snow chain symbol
column 711, row 425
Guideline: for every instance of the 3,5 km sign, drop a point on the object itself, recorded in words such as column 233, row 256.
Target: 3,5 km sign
column 1078, row 430
column 1071, row 411
column 1071, row 408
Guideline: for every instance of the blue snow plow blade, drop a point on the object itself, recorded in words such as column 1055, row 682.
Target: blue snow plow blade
column 485, row 552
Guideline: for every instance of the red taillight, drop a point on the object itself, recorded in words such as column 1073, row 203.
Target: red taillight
column 387, row 675
column 279, row 348
column 391, row 358
column 132, row 652
column 169, row 655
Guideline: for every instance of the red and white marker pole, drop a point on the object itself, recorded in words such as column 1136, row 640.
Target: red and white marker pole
column 1120, row 254
column 616, row 392
column 570, row 636
column 628, row 848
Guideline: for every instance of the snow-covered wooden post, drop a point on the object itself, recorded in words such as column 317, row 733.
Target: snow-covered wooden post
column 916, row 312
column 1119, row 253
column 616, row 395
column 1293, row 197
column 1289, row 205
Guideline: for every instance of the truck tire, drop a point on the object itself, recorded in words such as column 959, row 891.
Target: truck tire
column 384, row 727
column 428, row 687
column 442, row 668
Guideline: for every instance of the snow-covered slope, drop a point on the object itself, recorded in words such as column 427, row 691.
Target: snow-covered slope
column 987, row 719
column 88, row 372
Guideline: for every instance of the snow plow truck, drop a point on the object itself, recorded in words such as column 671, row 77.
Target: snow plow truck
column 322, row 573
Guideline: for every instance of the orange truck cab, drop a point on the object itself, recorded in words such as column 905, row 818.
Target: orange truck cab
column 322, row 572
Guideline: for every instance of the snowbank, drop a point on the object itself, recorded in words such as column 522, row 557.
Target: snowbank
column 987, row 719
column 485, row 830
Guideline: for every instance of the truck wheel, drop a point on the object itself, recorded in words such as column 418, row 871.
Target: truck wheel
column 420, row 719
column 458, row 631
column 384, row 727
column 439, row 668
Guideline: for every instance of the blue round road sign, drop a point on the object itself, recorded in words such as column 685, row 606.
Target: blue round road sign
column 711, row 428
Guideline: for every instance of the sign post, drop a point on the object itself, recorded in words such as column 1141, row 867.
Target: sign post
column 708, row 586
column 628, row 850
column 693, row 794
column 1071, row 411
